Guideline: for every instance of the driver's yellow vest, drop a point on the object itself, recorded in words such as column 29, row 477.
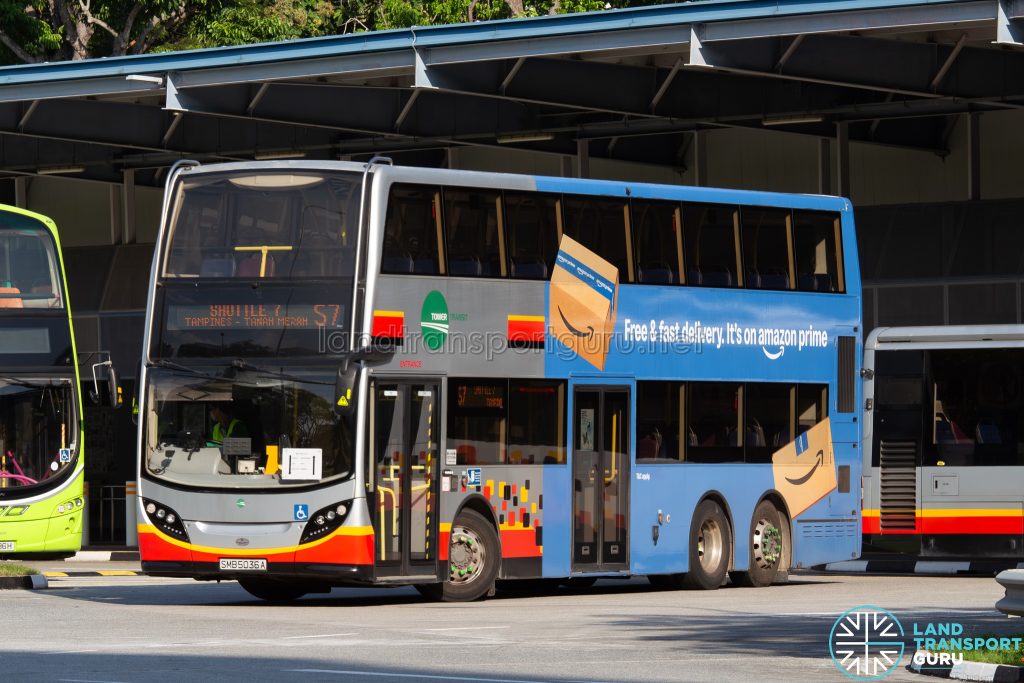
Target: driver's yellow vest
column 218, row 431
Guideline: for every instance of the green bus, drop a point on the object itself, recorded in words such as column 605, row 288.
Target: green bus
column 42, row 458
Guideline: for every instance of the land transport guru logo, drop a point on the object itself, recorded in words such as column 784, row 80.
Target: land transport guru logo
column 866, row 643
column 434, row 320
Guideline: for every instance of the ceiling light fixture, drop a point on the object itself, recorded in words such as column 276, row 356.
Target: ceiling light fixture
column 791, row 119
column 513, row 138
column 57, row 170
column 280, row 154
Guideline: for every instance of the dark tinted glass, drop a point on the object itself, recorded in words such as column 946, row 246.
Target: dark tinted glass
column 657, row 241
column 766, row 248
column 709, row 245
column 712, row 422
column 471, row 228
column 412, row 231
column 531, row 229
column 818, row 260
column 767, row 414
column 477, row 420
column 599, row 224
column 536, row 422
column 657, row 420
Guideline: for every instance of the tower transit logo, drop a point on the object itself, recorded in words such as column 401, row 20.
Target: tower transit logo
column 434, row 320
column 866, row 643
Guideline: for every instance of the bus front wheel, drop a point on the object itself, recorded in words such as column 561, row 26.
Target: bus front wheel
column 710, row 547
column 474, row 554
column 273, row 591
column 766, row 547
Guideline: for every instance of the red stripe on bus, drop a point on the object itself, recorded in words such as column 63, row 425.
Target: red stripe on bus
column 339, row 550
column 388, row 326
column 526, row 331
column 949, row 525
column 514, row 543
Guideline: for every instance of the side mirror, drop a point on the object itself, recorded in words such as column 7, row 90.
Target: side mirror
column 116, row 399
column 346, row 389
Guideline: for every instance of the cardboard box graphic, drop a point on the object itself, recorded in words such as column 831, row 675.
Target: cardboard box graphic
column 805, row 469
column 584, row 294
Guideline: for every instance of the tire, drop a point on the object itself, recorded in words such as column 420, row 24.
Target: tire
column 767, row 547
column 710, row 547
column 474, row 557
column 273, row 591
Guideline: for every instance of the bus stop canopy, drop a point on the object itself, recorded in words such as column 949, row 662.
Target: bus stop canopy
column 623, row 84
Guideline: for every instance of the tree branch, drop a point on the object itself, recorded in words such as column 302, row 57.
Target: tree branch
column 121, row 42
column 18, row 51
column 89, row 18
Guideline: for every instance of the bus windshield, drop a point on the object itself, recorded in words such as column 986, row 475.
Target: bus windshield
column 37, row 431
column 251, row 428
column 28, row 267
column 272, row 224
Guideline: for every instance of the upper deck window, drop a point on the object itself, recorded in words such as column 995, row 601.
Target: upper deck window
column 29, row 272
column 766, row 247
column 412, row 231
column 471, row 219
column 532, row 231
column 600, row 224
column 659, row 245
column 265, row 225
column 818, row 248
column 710, row 233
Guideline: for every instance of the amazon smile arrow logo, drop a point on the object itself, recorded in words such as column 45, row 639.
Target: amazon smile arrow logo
column 774, row 355
column 574, row 331
column 807, row 477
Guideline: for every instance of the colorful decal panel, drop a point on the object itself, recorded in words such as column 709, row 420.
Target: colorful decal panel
column 805, row 469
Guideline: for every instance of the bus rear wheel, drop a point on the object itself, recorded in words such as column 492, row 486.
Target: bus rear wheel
column 766, row 547
column 710, row 547
column 474, row 554
column 272, row 590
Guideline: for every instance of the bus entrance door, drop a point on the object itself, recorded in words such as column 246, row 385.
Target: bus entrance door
column 600, row 478
column 405, row 425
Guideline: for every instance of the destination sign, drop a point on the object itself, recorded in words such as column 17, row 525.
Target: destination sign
column 254, row 316
column 480, row 396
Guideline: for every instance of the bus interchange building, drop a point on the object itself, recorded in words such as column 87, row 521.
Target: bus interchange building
column 909, row 108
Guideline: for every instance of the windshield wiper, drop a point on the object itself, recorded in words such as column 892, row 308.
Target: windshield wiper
column 171, row 365
column 240, row 364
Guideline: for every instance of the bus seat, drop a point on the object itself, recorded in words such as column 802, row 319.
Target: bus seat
column 7, row 301
column 465, row 266
column 221, row 266
column 718, row 278
column 250, row 265
column 775, row 279
column 425, row 264
column 528, row 268
column 657, row 273
column 988, row 432
column 815, row 282
column 694, row 277
column 397, row 263
column 755, row 434
column 466, row 454
column 753, row 279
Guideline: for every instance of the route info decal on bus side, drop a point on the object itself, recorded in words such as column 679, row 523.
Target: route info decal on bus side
column 805, row 469
column 584, row 295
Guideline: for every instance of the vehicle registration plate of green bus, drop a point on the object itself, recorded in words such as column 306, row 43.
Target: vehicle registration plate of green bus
column 239, row 565
column 6, row 546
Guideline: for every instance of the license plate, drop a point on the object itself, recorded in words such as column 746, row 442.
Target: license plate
column 237, row 565
column 6, row 546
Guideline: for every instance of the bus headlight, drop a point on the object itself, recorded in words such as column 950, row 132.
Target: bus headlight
column 165, row 519
column 324, row 521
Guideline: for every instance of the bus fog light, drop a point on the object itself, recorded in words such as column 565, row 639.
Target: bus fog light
column 150, row 508
column 342, row 510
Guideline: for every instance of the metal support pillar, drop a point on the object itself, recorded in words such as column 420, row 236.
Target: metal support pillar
column 583, row 158
column 843, row 159
column 824, row 166
column 973, row 156
column 129, row 206
column 700, row 158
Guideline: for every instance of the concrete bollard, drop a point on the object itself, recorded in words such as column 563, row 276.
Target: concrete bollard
column 131, row 531
column 1013, row 602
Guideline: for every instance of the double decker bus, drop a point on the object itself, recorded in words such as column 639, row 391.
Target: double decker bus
column 41, row 456
column 944, row 441
column 375, row 375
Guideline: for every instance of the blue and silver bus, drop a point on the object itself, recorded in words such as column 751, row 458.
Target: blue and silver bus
column 361, row 374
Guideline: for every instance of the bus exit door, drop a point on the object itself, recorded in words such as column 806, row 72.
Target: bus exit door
column 405, row 429
column 600, row 478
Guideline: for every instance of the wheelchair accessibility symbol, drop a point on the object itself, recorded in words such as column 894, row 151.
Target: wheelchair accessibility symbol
column 301, row 512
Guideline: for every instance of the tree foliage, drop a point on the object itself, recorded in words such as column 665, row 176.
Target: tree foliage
column 51, row 30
